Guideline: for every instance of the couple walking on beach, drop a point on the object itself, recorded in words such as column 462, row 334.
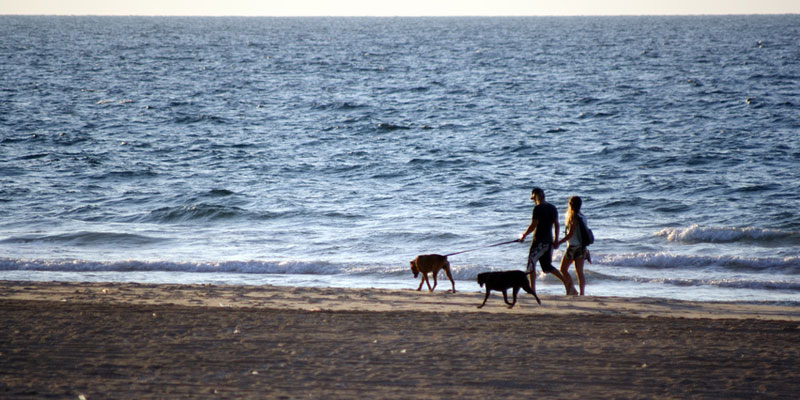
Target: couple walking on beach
column 544, row 225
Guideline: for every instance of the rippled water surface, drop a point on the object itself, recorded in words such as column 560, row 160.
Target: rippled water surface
column 330, row 151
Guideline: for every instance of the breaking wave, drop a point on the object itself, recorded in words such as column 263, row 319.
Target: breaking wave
column 787, row 265
column 87, row 238
column 699, row 234
column 245, row 267
column 732, row 283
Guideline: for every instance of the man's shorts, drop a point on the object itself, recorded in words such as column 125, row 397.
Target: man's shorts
column 542, row 252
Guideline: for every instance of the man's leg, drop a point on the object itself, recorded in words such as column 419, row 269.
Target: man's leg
column 546, row 260
column 533, row 255
column 532, row 277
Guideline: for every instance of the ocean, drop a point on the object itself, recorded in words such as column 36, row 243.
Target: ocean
column 332, row 151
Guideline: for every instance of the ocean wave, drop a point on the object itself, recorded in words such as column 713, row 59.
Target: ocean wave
column 698, row 234
column 596, row 114
column 125, row 175
column 12, row 171
column 195, row 212
column 87, row 238
column 597, row 275
column 339, row 106
column 461, row 272
column 732, row 283
column 599, row 269
column 757, row 188
column 467, row 272
column 392, row 127
column 442, row 162
column 220, row 192
column 787, row 265
column 184, row 119
column 291, row 267
column 35, row 156
column 242, row 267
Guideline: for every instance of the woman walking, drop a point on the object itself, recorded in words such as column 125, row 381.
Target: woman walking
column 576, row 252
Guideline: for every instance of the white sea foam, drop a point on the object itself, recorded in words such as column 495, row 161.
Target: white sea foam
column 663, row 260
column 786, row 265
column 700, row 234
column 246, row 267
column 731, row 283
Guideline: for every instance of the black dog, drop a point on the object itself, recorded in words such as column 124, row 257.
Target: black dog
column 503, row 281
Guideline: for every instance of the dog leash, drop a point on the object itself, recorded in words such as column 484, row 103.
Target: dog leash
column 482, row 247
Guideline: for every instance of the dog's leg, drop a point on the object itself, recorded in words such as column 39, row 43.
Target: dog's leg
column 530, row 290
column 450, row 276
column 423, row 279
column 485, row 297
column 428, row 282
column 514, row 292
column 532, row 275
column 505, row 296
column 435, row 274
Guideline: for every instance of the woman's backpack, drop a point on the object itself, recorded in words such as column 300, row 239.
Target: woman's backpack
column 587, row 236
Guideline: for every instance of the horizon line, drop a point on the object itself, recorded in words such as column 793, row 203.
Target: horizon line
column 395, row 16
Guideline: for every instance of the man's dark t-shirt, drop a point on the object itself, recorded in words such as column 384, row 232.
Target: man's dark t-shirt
column 547, row 215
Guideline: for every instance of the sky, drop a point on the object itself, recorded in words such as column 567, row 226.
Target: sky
column 396, row 8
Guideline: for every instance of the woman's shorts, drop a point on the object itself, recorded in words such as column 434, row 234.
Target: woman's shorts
column 574, row 253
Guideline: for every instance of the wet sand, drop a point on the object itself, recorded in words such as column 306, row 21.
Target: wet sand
column 134, row 341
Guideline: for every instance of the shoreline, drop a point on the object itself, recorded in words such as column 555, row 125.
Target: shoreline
column 382, row 300
column 132, row 341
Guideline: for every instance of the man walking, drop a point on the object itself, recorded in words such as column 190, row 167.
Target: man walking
column 544, row 225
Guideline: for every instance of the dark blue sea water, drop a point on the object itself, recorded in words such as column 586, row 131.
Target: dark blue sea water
column 331, row 151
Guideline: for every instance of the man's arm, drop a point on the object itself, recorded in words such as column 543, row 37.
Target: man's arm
column 531, row 228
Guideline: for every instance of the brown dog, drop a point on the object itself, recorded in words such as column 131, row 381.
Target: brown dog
column 431, row 263
column 502, row 281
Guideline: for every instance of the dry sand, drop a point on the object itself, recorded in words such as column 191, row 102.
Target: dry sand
column 136, row 341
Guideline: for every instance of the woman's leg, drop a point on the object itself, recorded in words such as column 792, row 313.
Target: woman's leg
column 581, row 276
column 568, row 284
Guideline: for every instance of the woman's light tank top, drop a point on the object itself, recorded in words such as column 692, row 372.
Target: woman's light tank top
column 575, row 240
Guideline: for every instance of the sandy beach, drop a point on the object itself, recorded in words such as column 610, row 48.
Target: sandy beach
column 134, row 341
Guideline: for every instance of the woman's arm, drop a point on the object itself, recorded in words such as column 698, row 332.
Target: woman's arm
column 570, row 230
